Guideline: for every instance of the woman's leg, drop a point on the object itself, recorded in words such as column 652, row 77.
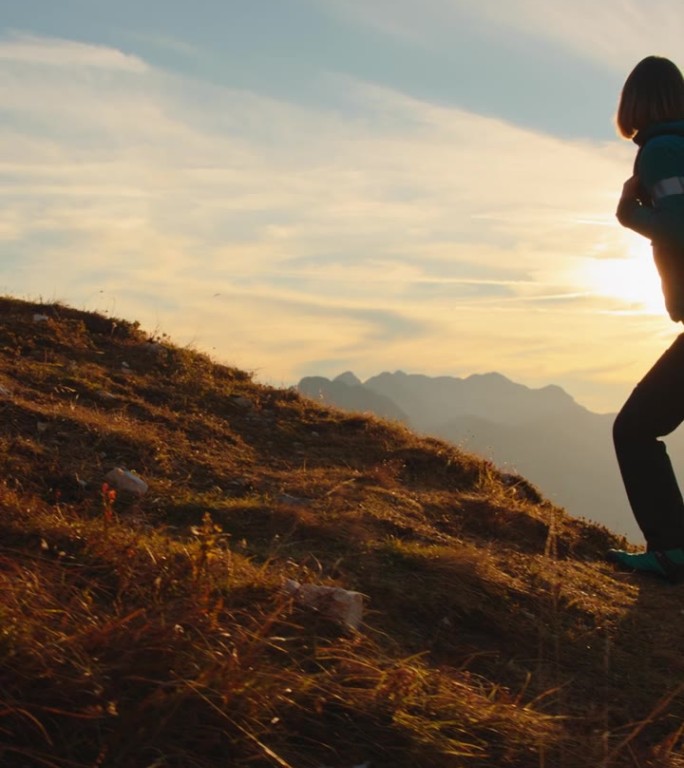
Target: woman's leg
column 654, row 409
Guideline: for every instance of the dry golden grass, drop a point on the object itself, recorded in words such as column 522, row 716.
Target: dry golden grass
column 156, row 631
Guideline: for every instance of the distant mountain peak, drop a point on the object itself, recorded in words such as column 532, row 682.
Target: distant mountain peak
column 349, row 378
column 489, row 376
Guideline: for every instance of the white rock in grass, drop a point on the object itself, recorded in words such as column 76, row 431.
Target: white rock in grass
column 40, row 318
column 123, row 480
column 341, row 605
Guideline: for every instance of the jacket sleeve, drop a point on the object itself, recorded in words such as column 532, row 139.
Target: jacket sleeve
column 659, row 217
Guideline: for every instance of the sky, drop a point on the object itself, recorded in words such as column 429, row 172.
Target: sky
column 306, row 187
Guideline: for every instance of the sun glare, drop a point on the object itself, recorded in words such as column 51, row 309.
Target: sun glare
column 632, row 280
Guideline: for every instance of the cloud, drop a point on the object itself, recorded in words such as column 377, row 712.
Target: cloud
column 26, row 49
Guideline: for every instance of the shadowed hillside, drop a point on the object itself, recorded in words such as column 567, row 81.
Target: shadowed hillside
column 155, row 630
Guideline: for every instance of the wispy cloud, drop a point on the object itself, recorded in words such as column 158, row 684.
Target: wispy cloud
column 26, row 49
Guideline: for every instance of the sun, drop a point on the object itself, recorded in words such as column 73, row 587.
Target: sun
column 633, row 280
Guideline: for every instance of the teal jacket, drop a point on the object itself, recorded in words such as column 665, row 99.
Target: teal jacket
column 657, row 212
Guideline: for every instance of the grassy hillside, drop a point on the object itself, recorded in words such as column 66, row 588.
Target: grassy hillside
column 155, row 630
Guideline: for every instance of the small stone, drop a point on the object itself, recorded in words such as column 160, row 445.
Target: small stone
column 123, row 480
column 341, row 605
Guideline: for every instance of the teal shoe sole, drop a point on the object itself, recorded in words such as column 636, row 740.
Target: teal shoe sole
column 659, row 563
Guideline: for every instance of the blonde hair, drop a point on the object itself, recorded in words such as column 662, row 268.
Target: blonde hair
column 652, row 93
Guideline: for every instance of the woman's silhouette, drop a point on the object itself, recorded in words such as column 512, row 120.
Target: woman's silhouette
column 651, row 113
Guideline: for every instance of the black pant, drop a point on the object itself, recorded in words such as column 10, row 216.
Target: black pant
column 654, row 409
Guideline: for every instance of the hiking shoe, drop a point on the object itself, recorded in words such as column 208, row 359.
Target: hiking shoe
column 668, row 564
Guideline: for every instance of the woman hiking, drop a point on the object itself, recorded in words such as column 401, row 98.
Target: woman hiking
column 651, row 113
